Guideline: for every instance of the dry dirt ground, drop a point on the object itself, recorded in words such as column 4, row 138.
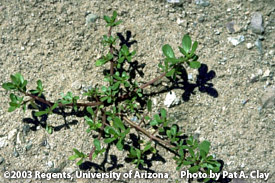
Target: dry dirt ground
column 59, row 41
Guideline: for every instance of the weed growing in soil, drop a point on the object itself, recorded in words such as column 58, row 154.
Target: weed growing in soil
column 107, row 114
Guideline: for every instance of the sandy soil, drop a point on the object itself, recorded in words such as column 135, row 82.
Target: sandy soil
column 232, row 106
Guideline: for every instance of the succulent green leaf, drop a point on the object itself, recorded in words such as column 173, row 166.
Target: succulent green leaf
column 9, row 86
column 163, row 113
column 24, row 84
column 40, row 113
column 114, row 15
column 90, row 110
column 11, row 108
column 195, row 64
column 13, row 98
column 186, row 43
column 73, row 157
column 118, row 123
column 97, row 144
column 205, row 146
column 194, row 47
column 168, row 51
column 174, row 130
column 55, row 105
column 191, row 151
column 79, row 162
column 183, row 51
column 188, row 162
column 116, row 86
column 49, row 129
column 104, row 88
column 39, row 84
column 109, row 140
column 119, row 145
column 147, row 147
column 107, row 19
column 194, row 169
column 138, row 153
column 133, row 53
column 34, row 91
column 121, row 59
column 15, row 80
column 153, row 123
column 103, row 98
column 170, row 73
column 117, row 23
column 77, row 152
column 110, row 130
column 100, row 62
column 149, row 105
column 19, row 78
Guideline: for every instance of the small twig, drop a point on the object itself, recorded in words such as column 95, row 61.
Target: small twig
column 147, row 133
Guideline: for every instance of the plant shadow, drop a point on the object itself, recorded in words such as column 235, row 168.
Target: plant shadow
column 181, row 82
column 36, row 121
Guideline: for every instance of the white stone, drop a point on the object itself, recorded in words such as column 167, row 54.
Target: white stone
column 50, row 164
column 179, row 21
column 154, row 100
column 249, row 45
column 12, row 134
column 3, row 142
column 190, row 76
column 171, row 99
column 174, row 1
column 236, row 40
column 18, row 140
column 266, row 73
column 76, row 85
column 260, row 72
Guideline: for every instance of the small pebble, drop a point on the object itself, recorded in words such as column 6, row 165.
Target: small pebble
column 26, row 129
column 232, row 27
column 190, row 76
column 257, row 23
column 236, row 40
column 15, row 153
column 1, row 159
column 260, row 72
column 249, row 46
column 258, row 44
column 171, row 99
column 203, row 3
column 50, row 164
column 3, row 142
column 201, row 19
column 28, row 146
column 268, row 99
column 134, row 119
column 175, row 1
column 266, row 73
column 90, row 19
column 76, row 85
column 12, row 134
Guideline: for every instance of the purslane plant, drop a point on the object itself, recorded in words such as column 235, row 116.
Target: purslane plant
column 107, row 113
